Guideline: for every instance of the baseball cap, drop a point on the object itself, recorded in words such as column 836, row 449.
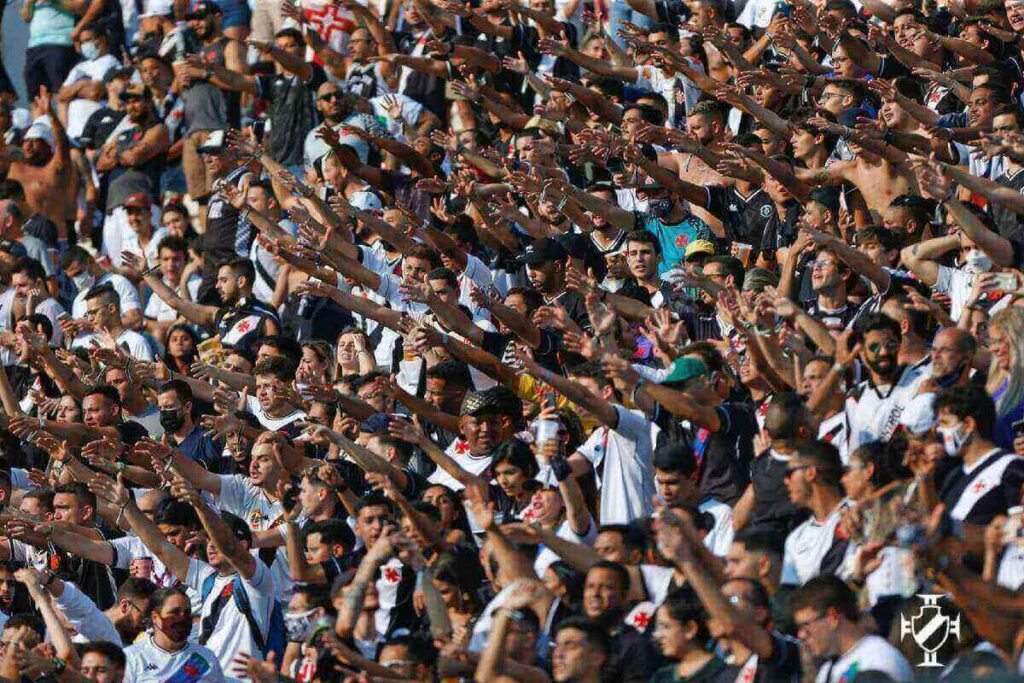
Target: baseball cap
column 40, row 130
column 684, row 369
column 116, row 72
column 214, row 142
column 139, row 200
column 546, row 125
column 201, row 9
column 543, row 250
column 699, row 247
column 135, row 90
column 375, row 424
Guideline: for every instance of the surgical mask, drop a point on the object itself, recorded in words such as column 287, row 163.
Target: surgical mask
column 953, row 438
column 296, row 625
column 89, row 51
column 659, row 208
column 83, row 281
column 977, row 261
column 171, row 420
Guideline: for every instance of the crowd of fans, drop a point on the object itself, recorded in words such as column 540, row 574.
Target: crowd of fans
column 513, row 340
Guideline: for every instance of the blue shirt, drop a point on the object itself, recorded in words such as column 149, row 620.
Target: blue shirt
column 197, row 446
column 674, row 238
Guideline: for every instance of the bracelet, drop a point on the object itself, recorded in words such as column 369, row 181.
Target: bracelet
column 838, row 368
column 50, row 576
column 637, row 388
column 949, row 195
column 120, row 513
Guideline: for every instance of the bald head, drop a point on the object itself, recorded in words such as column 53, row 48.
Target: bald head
column 952, row 352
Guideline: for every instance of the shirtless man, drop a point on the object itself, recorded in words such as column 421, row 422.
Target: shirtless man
column 880, row 172
column 706, row 125
column 44, row 168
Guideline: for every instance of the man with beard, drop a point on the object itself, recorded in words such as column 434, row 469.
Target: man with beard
column 873, row 407
column 133, row 160
column 335, row 108
column 241, row 321
column 816, row 546
column 546, row 261
column 632, row 657
column 208, row 106
column 44, row 168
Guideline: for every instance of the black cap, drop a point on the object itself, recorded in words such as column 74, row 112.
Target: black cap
column 201, row 9
column 544, row 250
column 117, row 72
column 375, row 424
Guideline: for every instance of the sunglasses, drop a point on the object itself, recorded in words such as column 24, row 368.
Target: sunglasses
column 327, row 97
column 890, row 345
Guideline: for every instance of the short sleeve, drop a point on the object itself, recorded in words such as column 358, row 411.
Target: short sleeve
column 127, row 293
column 232, row 493
column 592, row 449
column 631, row 425
column 198, row 572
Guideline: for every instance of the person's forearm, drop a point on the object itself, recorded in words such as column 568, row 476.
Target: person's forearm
column 55, row 631
column 816, row 330
column 577, row 555
column 578, row 394
column 151, row 536
column 601, row 67
column 222, row 77
column 355, row 595
column 227, row 544
column 428, row 411
column 576, row 511
column 519, row 324
column 300, row 570
column 7, row 396
column 196, row 313
column 995, row 245
column 819, row 401
column 487, row 669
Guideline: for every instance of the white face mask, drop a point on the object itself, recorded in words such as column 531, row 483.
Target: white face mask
column 977, row 261
column 83, row 281
column 953, row 438
column 89, row 50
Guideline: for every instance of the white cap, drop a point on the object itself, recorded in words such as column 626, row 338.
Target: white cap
column 157, row 8
column 919, row 414
column 366, row 201
column 40, row 130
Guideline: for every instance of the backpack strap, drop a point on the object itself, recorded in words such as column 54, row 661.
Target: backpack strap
column 245, row 607
column 207, row 586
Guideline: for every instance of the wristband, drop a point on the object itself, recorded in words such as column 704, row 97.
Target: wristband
column 637, row 388
column 838, row 368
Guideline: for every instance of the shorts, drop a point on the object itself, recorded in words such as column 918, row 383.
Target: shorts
column 236, row 13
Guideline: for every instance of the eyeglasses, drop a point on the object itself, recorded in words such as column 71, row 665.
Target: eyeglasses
column 820, row 264
column 92, row 313
column 790, row 471
column 829, row 95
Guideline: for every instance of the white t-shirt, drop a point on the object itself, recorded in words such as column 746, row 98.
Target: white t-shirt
column 126, row 293
column 1011, row 567
column 240, row 497
column 458, row 450
column 48, row 307
column 874, row 415
column 232, row 635
column 623, row 458
column 147, row 662
column 273, row 423
column 806, row 547
column 79, row 109
column 719, row 538
column 871, row 653
column 157, row 309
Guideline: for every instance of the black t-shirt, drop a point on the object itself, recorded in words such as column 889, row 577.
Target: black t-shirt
column 573, row 304
column 633, row 659
column 772, row 507
column 499, row 345
column 991, row 488
column 292, row 111
column 745, row 219
column 725, row 455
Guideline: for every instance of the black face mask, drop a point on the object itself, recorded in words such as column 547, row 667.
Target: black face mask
column 171, row 420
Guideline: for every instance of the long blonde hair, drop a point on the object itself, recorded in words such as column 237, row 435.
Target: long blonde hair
column 1010, row 322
